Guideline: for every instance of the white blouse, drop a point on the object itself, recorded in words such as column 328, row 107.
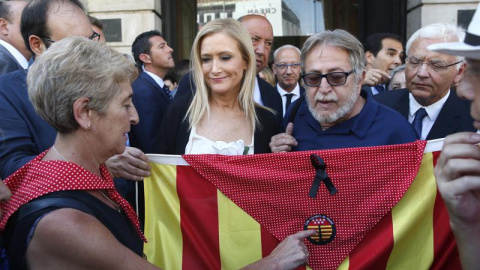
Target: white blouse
column 200, row 145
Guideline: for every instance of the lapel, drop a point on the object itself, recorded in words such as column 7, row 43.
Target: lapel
column 403, row 103
column 302, row 91
column 149, row 80
column 11, row 57
column 448, row 120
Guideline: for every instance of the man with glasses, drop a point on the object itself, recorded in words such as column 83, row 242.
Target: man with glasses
column 24, row 134
column 428, row 103
column 287, row 69
column 335, row 113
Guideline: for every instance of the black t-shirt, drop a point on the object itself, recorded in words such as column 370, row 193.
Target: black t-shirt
column 17, row 236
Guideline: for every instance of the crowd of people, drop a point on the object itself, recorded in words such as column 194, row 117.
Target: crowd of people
column 75, row 114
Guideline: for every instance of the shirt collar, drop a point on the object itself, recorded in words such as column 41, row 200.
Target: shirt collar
column 16, row 54
column 156, row 78
column 433, row 110
column 295, row 91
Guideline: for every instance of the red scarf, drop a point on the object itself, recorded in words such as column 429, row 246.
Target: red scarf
column 38, row 178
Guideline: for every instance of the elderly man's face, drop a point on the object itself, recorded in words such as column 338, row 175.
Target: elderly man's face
column 469, row 89
column 287, row 68
column 261, row 32
column 328, row 104
column 430, row 74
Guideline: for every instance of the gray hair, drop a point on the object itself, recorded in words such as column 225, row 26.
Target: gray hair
column 341, row 39
column 445, row 31
column 72, row 68
column 287, row 46
column 396, row 70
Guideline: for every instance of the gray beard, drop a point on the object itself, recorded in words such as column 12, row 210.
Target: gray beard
column 343, row 111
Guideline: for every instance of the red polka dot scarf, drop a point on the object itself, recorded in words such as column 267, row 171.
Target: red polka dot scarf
column 38, row 178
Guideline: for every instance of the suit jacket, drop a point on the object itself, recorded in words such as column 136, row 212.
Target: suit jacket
column 8, row 63
column 368, row 89
column 151, row 101
column 270, row 96
column 454, row 116
column 23, row 133
column 175, row 131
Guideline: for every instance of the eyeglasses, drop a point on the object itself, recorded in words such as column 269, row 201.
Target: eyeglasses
column 333, row 78
column 95, row 37
column 283, row 67
column 434, row 65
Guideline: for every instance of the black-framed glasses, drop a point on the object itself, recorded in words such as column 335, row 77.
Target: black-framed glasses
column 283, row 66
column 314, row 79
column 95, row 36
column 435, row 65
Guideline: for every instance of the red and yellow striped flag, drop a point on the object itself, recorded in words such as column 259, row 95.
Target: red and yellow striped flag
column 196, row 209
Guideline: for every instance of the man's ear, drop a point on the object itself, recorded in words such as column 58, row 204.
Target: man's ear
column 81, row 113
column 459, row 76
column 36, row 44
column 4, row 27
column 145, row 58
column 369, row 57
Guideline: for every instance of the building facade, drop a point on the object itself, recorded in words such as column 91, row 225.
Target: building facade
column 293, row 20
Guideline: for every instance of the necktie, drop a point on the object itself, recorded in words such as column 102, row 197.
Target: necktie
column 380, row 88
column 417, row 121
column 289, row 101
column 167, row 91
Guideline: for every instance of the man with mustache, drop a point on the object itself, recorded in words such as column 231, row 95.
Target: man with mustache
column 335, row 112
column 428, row 103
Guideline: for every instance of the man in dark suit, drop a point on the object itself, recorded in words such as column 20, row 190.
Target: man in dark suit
column 151, row 96
column 13, row 53
column 261, row 32
column 430, row 106
column 383, row 53
column 24, row 134
column 287, row 69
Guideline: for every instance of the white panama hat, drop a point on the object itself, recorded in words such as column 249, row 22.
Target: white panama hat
column 470, row 47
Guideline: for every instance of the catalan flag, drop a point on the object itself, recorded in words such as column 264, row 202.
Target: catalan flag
column 224, row 212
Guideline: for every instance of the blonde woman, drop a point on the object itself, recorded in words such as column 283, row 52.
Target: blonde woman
column 222, row 117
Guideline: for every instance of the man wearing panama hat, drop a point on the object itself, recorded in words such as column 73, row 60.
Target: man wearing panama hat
column 458, row 167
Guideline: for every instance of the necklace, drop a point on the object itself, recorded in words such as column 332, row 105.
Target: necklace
column 117, row 207
column 54, row 149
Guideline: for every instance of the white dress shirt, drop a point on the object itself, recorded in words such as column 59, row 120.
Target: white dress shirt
column 256, row 93
column 295, row 92
column 157, row 79
column 432, row 113
column 18, row 56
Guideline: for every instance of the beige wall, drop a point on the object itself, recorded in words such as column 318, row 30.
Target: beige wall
column 137, row 16
column 424, row 12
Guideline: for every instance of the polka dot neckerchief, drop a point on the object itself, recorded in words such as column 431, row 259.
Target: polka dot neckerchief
column 38, row 178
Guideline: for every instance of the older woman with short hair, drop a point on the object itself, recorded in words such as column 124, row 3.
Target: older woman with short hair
column 65, row 212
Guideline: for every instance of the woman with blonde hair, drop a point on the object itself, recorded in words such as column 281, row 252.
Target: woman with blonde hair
column 222, row 118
